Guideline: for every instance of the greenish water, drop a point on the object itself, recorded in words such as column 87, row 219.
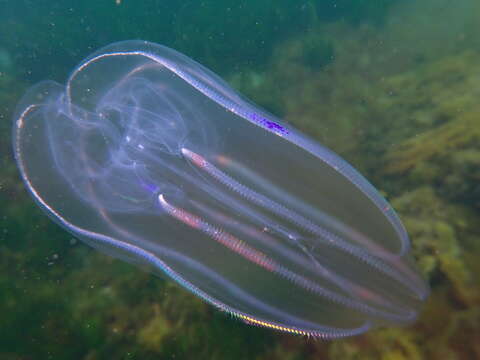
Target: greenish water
column 392, row 86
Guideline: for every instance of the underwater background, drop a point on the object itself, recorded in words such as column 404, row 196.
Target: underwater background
column 392, row 86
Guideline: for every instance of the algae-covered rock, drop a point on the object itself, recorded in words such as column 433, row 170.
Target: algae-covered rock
column 443, row 147
column 438, row 230
column 387, row 344
column 442, row 101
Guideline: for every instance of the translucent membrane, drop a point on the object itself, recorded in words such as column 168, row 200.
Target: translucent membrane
column 150, row 157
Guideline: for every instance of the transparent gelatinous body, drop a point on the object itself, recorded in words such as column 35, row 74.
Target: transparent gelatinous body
column 150, row 157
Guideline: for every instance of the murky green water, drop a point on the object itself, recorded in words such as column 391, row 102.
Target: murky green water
column 392, row 86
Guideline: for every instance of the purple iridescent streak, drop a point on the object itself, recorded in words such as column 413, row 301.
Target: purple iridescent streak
column 271, row 125
column 150, row 157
